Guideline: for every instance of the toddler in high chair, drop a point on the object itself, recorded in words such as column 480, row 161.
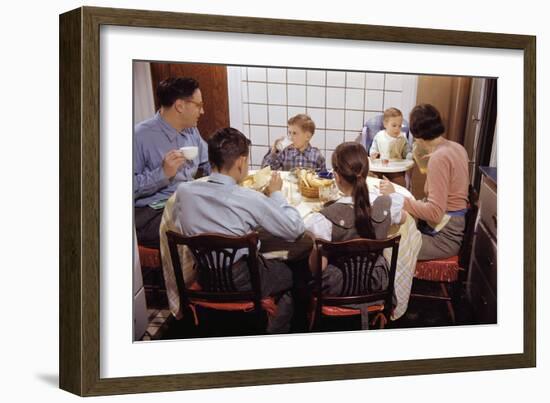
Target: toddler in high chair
column 391, row 143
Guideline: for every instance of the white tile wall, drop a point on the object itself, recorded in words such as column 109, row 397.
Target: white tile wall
column 351, row 136
column 296, row 76
column 354, row 98
column 316, row 77
column 276, row 75
column 257, row 93
column 244, row 74
column 245, row 113
column 355, row 80
column 328, row 157
column 296, row 95
column 258, row 114
column 318, row 115
column 336, row 78
column 259, row 135
column 333, row 138
column 392, row 99
column 244, row 91
column 257, row 74
column 276, row 132
column 394, row 82
column 335, row 118
column 276, row 93
column 375, row 81
column 318, row 139
column 277, row 115
column 296, row 110
column 370, row 114
column 336, row 98
column 258, row 153
column 339, row 103
column 374, row 100
column 316, row 96
column 354, row 120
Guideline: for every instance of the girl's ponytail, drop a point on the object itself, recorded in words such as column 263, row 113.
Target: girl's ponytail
column 350, row 160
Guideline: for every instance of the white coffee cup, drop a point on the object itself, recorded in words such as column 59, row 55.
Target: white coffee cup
column 189, row 152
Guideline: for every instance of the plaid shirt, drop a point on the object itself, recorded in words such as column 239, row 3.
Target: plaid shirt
column 291, row 157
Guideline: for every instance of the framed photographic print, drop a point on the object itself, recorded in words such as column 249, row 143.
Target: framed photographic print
column 126, row 324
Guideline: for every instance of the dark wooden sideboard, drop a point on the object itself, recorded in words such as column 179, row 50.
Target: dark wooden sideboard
column 482, row 276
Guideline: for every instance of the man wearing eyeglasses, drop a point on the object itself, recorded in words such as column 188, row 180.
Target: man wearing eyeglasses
column 159, row 165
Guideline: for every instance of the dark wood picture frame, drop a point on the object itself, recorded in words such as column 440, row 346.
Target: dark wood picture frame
column 80, row 196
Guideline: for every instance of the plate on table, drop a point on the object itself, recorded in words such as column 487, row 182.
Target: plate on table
column 259, row 180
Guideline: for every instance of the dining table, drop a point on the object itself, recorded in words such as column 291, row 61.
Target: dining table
column 274, row 248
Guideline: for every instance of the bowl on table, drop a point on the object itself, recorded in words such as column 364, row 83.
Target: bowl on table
column 325, row 174
column 259, row 180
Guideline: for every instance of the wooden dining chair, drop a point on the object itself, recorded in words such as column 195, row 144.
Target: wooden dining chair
column 214, row 288
column 444, row 278
column 355, row 259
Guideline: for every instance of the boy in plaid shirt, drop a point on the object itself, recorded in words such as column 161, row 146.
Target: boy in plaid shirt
column 299, row 154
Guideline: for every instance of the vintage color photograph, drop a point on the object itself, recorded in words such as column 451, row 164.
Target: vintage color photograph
column 273, row 200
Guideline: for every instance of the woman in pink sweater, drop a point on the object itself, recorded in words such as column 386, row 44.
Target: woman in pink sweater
column 446, row 187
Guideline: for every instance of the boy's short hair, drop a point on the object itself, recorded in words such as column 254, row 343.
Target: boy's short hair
column 303, row 121
column 392, row 113
column 225, row 146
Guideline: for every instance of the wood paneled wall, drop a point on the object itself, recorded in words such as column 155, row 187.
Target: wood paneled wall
column 450, row 95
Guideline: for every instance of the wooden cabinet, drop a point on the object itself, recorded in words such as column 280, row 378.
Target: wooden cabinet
column 482, row 275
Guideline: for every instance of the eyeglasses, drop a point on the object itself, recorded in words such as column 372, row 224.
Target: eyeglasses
column 200, row 105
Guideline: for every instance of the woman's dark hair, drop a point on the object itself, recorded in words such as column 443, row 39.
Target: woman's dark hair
column 351, row 161
column 173, row 88
column 225, row 146
column 425, row 122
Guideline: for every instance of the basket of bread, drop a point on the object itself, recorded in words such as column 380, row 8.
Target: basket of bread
column 259, row 180
column 309, row 183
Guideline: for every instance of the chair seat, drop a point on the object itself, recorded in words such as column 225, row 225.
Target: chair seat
column 225, row 306
column 332, row 310
column 328, row 310
column 442, row 270
column 149, row 257
column 268, row 303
